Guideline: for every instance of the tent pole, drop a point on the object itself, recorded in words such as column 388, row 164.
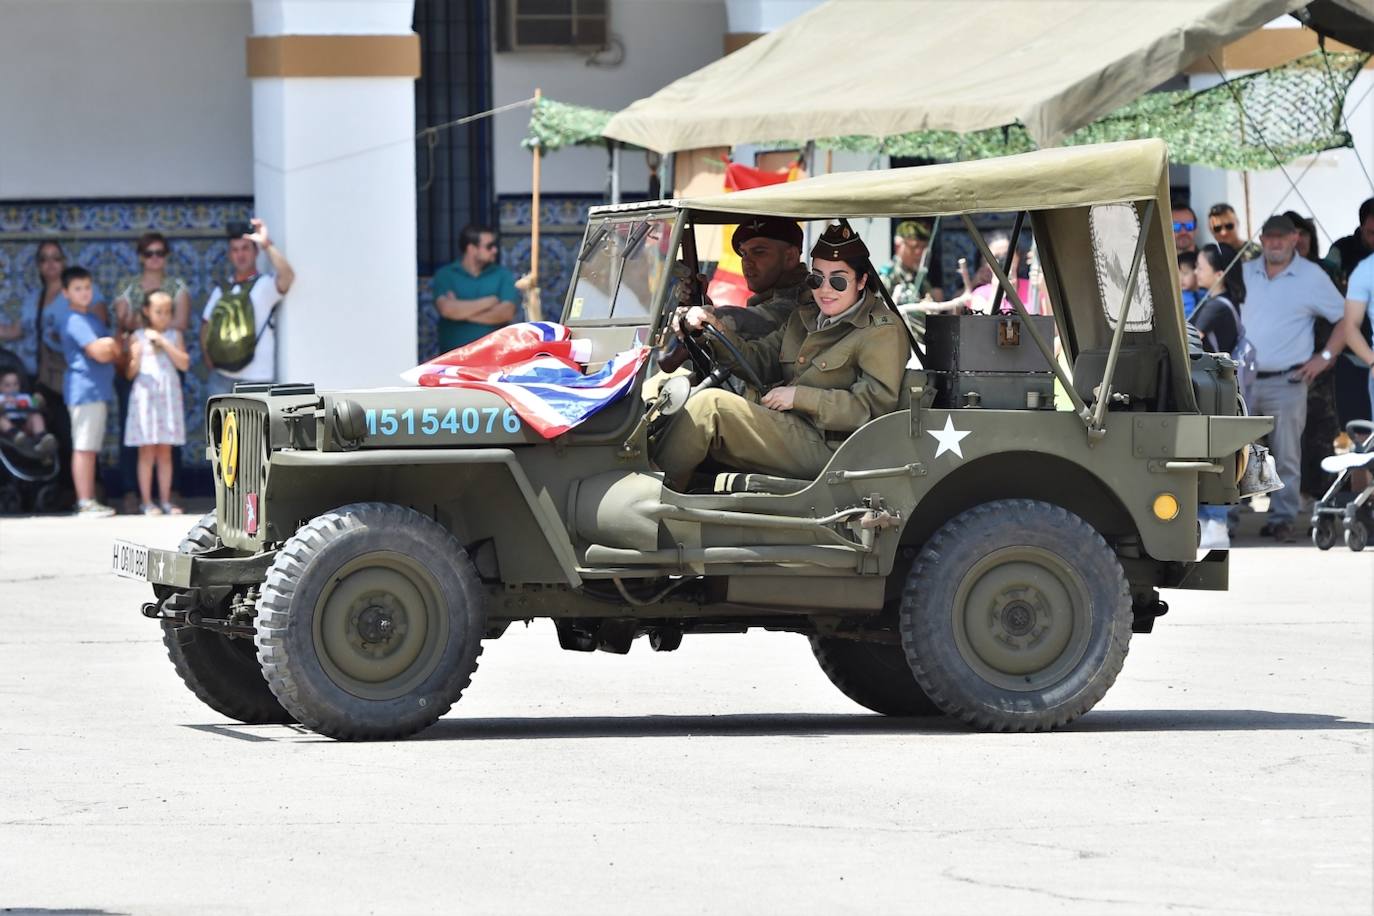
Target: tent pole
column 535, row 311
column 615, row 172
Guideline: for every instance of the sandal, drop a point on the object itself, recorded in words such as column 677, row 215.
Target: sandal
column 171, row 508
column 149, row 509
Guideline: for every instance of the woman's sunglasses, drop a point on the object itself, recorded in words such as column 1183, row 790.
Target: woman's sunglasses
column 838, row 282
column 155, row 253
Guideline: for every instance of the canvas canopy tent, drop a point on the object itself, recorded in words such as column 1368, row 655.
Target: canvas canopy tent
column 1296, row 106
column 897, row 66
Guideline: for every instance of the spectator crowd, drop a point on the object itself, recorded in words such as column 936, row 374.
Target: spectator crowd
column 1300, row 322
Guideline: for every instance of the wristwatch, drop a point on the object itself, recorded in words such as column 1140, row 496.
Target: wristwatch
column 1328, row 355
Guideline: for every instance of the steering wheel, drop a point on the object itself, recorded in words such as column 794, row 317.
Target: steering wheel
column 712, row 371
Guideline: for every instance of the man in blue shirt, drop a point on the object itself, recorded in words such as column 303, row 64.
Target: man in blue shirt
column 1359, row 306
column 475, row 295
column 1283, row 295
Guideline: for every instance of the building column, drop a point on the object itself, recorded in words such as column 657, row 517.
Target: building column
column 334, row 179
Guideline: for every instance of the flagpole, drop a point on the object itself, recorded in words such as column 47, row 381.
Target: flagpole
column 535, row 311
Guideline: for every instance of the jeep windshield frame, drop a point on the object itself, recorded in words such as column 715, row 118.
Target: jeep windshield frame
column 624, row 267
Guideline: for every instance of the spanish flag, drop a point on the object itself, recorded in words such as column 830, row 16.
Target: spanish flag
column 727, row 284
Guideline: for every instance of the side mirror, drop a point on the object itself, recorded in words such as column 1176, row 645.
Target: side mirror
column 673, row 395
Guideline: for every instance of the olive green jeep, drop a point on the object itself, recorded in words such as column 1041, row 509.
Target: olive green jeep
column 984, row 552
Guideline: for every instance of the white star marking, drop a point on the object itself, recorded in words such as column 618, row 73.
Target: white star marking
column 948, row 438
column 161, row 563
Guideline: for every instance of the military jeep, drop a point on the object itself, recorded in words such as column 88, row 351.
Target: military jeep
column 978, row 553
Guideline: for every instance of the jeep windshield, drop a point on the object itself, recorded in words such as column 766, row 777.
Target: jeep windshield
column 621, row 268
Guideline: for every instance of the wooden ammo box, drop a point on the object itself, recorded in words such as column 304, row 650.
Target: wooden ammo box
column 989, row 361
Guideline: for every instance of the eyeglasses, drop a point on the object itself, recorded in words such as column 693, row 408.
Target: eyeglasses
column 155, row 253
column 1223, row 227
column 1185, row 227
column 490, row 247
column 838, row 282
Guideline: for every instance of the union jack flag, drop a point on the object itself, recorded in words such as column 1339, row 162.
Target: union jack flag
column 534, row 367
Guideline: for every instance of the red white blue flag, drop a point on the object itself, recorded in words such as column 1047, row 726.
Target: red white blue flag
column 535, row 367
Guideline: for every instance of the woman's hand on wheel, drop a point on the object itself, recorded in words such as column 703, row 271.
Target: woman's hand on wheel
column 780, row 398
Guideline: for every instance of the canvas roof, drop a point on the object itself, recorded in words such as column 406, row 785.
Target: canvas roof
column 1050, row 179
column 885, row 67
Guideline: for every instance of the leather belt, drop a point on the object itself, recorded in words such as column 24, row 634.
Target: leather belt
column 1275, row 373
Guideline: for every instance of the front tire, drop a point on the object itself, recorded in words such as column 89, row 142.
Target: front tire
column 874, row 675
column 1016, row 616
column 222, row 672
column 370, row 622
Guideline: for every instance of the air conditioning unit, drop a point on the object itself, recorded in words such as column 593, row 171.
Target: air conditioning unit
column 552, row 25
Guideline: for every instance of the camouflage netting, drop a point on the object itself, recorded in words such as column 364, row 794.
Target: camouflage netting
column 1295, row 108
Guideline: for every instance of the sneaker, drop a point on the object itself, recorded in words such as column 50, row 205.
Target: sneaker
column 1214, row 535
column 171, row 508
column 89, row 508
column 149, row 509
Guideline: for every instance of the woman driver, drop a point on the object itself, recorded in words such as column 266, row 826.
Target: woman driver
column 835, row 364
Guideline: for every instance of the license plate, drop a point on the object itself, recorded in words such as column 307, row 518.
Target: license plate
column 130, row 560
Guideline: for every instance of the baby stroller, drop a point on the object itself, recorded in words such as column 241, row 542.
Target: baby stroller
column 26, row 477
column 1340, row 507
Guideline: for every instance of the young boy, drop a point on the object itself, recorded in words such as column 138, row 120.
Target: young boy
column 1187, row 280
column 91, row 353
column 21, row 417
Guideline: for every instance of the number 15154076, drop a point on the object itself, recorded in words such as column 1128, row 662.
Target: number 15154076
column 431, row 421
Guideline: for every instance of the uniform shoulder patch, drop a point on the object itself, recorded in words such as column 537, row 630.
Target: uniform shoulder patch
column 882, row 319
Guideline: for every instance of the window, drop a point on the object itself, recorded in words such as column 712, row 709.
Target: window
column 1115, row 228
column 541, row 25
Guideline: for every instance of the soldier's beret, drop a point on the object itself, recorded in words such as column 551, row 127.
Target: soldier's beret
column 767, row 227
column 911, row 229
column 839, row 243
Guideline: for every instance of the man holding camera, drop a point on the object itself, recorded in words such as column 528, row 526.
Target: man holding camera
column 238, row 324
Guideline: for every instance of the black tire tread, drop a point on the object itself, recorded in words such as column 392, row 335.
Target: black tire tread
column 274, row 613
column 864, row 673
column 927, row 566
column 206, row 661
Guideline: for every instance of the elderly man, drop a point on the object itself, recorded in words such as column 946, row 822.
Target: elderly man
column 1283, row 295
column 1185, row 224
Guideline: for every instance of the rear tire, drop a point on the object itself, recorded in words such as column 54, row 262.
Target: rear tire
column 1356, row 534
column 1016, row 616
column 1324, row 533
column 370, row 622
column 222, row 672
column 874, row 675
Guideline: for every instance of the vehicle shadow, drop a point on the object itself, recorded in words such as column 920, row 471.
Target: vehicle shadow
column 805, row 724
column 754, row 725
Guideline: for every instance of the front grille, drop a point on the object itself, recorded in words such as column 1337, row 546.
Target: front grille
column 250, row 475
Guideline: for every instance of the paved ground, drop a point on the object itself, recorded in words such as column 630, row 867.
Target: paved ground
column 1229, row 771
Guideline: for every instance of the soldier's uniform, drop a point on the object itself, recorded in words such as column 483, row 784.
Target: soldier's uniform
column 846, row 373
column 905, row 286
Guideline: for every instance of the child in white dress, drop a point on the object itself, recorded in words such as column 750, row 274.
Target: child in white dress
column 157, row 420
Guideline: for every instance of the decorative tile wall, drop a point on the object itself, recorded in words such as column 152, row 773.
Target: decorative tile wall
column 100, row 235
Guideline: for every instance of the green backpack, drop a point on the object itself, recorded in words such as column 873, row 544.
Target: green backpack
column 233, row 338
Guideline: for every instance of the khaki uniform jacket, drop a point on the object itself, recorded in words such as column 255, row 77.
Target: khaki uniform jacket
column 845, row 375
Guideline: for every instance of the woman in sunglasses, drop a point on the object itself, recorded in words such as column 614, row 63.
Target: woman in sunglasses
column 153, row 255
column 836, row 363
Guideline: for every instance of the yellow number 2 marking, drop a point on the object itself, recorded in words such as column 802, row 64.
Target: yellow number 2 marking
column 229, row 449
